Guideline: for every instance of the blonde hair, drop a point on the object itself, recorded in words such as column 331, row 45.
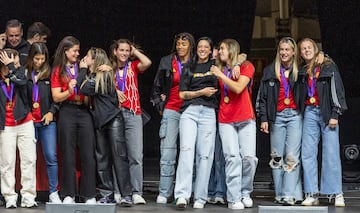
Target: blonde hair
column 104, row 80
column 233, row 49
column 290, row 41
column 312, row 64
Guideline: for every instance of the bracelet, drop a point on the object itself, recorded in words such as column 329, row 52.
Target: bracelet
column 238, row 64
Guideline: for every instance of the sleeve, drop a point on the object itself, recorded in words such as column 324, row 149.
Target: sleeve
column 86, row 85
column 17, row 76
column 55, row 81
column 134, row 66
column 261, row 102
column 337, row 94
column 185, row 79
column 158, row 87
column 247, row 69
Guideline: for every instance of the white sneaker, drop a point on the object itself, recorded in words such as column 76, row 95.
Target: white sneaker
column 181, row 203
column 161, row 199
column 248, row 202
column 28, row 202
column 198, row 205
column 219, row 200
column 237, row 205
column 339, row 200
column 54, row 198
column 11, row 204
column 310, row 201
column 91, row 201
column 68, row 200
column 117, row 197
column 138, row 199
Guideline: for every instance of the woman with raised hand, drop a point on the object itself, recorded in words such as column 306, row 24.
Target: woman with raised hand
column 75, row 124
column 237, row 125
column 324, row 103
column 128, row 62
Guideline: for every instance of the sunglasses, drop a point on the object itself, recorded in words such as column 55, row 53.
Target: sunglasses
column 182, row 37
column 93, row 52
column 289, row 39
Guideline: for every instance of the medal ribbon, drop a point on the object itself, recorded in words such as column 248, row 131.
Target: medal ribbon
column 121, row 82
column 311, row 88
column 35, row 87
column 284, row 81
column 73, row 76
column 5, row 90
column 228, row 73
column 180, row 65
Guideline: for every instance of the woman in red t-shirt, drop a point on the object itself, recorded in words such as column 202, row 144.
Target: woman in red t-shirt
column 237, row 125
column 128, row 62
column 75, row 124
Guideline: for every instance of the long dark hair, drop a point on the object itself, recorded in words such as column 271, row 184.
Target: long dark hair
column 60, row 59
column 35, row 49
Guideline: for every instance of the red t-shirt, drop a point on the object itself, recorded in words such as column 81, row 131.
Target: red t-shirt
column 316, row 95
column 281, row 105
column 63, row 84
column 240, row 106
column 131, row 88
column 174, row 101
column 9, row 117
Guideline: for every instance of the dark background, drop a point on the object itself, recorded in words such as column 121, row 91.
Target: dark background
column 153, row 24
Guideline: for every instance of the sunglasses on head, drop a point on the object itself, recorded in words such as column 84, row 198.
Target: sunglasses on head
column 289, row 39
column 93, row 52
column 182, row 37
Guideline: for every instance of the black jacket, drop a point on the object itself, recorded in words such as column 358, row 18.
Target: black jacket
column 330, row 90
column 163, row 82
column 46, row 102
column 21, row 107
column 268, row 94
column 105, row 106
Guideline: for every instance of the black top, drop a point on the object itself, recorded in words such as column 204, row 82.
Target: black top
column 195, row 78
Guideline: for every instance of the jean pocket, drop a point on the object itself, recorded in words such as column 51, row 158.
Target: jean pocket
column 163, row 128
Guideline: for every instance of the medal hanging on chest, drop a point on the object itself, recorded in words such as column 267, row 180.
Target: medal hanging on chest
column 8, row 94
column 312, row 86
column 73, row 76
column 35, row 90
column 121, row 81
column 284, row 82
column 228, row 73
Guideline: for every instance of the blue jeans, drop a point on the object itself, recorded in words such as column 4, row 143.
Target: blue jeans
column 285, row 138
column 331, row 182
column 239, row 147
column 133, row 129
column 217, row 184
column 47, row 135
column 197, row 138
column 169, row 131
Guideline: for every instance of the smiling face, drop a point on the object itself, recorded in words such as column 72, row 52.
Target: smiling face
column 122, row 53
column 307, row 50
column 286, row 53
column 224, row 53
column 72, row 54
column 14, row 35
column 38, row 60
column 203, row 50
column 183, row 48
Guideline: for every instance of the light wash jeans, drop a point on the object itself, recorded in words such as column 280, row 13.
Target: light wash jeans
column 133, row 128
column 331, row 182
column 285, row 138
column 47, row 135
column 197, row 138
column 217, row 184
column 169, row 131
column 239, row 147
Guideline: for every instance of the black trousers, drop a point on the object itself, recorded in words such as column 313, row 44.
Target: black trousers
column 76, row 129
column 110, row 152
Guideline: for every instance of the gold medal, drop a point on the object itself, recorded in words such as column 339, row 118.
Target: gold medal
column 286, row 101
column 312, row 100
column 35, row 105
column 77, row 97
column 226, row 99
column 10, row 104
